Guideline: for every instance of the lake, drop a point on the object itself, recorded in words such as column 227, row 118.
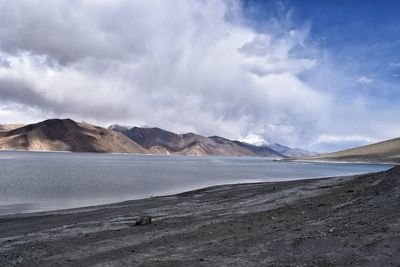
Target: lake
column 42, row 181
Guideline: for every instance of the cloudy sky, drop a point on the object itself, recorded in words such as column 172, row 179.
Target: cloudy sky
column 321, row 75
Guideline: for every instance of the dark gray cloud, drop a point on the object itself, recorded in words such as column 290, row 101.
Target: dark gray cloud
column 18, row 91
column 65, row 31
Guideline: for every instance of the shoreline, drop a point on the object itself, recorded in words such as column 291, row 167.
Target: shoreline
column 351, row 220
column 56, row 212
column 339, row 161
column 394, row 163
column 205, row 188
column 129, row 153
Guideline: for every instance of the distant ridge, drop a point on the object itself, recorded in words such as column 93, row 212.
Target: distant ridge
column 166, row 142
column 68, row 135
column 386, row 151
column 262, row 151
column 291, row 152
column 156, row 139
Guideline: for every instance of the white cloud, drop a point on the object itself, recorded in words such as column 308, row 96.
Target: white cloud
column 181, row 65
column 328, row 138
column 365, row 79
column 14, row 113
column 335, row 142
column 394, row 65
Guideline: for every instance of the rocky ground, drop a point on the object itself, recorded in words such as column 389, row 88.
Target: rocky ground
column 342, row 221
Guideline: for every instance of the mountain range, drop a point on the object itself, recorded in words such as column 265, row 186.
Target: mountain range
column 68, row 135
column 165, row 142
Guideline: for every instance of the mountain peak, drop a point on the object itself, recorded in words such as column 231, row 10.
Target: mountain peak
column 255, row 140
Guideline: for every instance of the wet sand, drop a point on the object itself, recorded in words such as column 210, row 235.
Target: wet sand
column 341, row 221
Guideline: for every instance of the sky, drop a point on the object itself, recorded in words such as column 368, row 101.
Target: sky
column 321, row 75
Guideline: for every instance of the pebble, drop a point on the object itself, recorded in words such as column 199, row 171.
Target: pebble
column 143, row 220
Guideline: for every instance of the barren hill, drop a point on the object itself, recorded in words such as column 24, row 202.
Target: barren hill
column 67, row 135
column 387, row 151
column 262, row 151
column 159, row 140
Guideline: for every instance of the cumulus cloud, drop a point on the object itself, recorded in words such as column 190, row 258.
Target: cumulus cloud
column 365, row 79
column 181, row 65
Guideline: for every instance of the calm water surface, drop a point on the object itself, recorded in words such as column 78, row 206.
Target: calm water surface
column 40, row 181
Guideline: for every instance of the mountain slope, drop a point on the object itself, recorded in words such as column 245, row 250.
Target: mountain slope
column 159, row 140
column 261, row 151
column 216, row 145
column 152, row 137
column 386, row 151
column 291, row 152
column 67, row 135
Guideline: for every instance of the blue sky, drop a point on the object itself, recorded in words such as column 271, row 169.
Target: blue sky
column 363, row 36
column 321, row 75
column 358, row 41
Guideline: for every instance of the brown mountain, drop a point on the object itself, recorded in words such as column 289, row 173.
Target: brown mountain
column 216, row 146
column 152, row 137
column 156, row 139
column 67, row 135
column 387, row 151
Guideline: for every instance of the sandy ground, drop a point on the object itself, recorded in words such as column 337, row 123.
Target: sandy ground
column 343, row 221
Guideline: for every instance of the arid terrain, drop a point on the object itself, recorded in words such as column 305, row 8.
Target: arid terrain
column 386, row 151
column 166, row 142
column 341, row 221
column 66, row 135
